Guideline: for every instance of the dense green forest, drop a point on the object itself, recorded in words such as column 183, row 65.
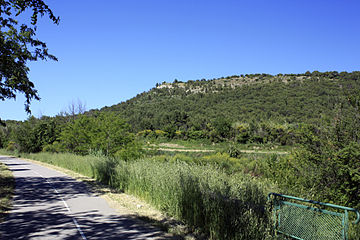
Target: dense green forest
column 250, row 108
column 317, row 115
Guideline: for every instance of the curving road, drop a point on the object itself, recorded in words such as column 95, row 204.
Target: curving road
column 51, row 205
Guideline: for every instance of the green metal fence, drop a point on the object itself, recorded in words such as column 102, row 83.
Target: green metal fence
column 310, row 220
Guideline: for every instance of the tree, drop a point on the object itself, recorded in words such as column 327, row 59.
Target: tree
column 27, row 137
column 222, row 127
column 78, row 135
column 18, row 46
column 112, row 134
column 106, row 132
column 74, row 109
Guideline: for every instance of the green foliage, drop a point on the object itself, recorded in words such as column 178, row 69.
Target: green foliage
column 346, row 167
column 170, row 131
column 221, row 129
column 33, row 134
column 131, row 151
column 332, row 154
column 242, row 132
column 194, row 134
column 326, row 167
column 112, row 134
column 77, row 135
column 248, row 163
column 234, row 151
column 104, row 132
column 105, row 172
column 55, row 147
column 27, row 138
column 332, row 177
column 2, row 138
column 12, row 146
column 18, row 46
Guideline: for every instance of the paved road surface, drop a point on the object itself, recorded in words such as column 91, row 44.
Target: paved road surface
column 51, row 205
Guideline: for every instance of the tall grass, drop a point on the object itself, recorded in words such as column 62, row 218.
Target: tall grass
column 223, row 206
column 80, row 164
column 205, row 197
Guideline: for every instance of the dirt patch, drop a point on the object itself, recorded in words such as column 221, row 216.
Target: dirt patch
column 184, row 150
column 208, row 150
column 170, row 145
column 264, row 152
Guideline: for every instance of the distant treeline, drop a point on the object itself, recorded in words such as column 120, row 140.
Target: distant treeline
column 82, row 134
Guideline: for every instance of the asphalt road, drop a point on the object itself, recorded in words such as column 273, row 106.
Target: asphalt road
column 51, row 205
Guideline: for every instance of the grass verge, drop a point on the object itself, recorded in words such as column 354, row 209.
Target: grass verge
column 7, row 184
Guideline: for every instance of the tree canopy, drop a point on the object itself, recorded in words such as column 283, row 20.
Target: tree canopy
column 19, row 45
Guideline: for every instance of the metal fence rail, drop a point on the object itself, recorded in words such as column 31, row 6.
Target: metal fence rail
column 307, row 222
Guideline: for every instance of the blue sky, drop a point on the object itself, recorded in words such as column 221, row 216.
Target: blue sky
column 111, row 50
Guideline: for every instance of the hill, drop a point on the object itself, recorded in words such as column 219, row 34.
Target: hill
column 254, row 98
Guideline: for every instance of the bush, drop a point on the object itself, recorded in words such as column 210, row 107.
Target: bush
column 131, row 151
column 55, row 147
column 12, row 146
column 234, row 151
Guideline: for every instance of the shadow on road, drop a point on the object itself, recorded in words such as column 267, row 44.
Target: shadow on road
column 55, row 224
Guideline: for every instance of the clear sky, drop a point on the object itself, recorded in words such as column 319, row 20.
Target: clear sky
column 111, row 50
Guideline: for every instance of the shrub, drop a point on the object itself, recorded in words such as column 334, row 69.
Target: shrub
column 55, row 147
column 12, row 146
column 131, row 151
column 234, row 151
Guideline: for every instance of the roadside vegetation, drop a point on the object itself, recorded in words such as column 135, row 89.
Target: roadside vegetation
column 214, row 177
column 199, row 195
column 7, row 185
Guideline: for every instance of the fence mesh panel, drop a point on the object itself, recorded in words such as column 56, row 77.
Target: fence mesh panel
column 309, row 223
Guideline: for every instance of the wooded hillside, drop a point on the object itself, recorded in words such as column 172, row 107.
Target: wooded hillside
column 246, row 99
